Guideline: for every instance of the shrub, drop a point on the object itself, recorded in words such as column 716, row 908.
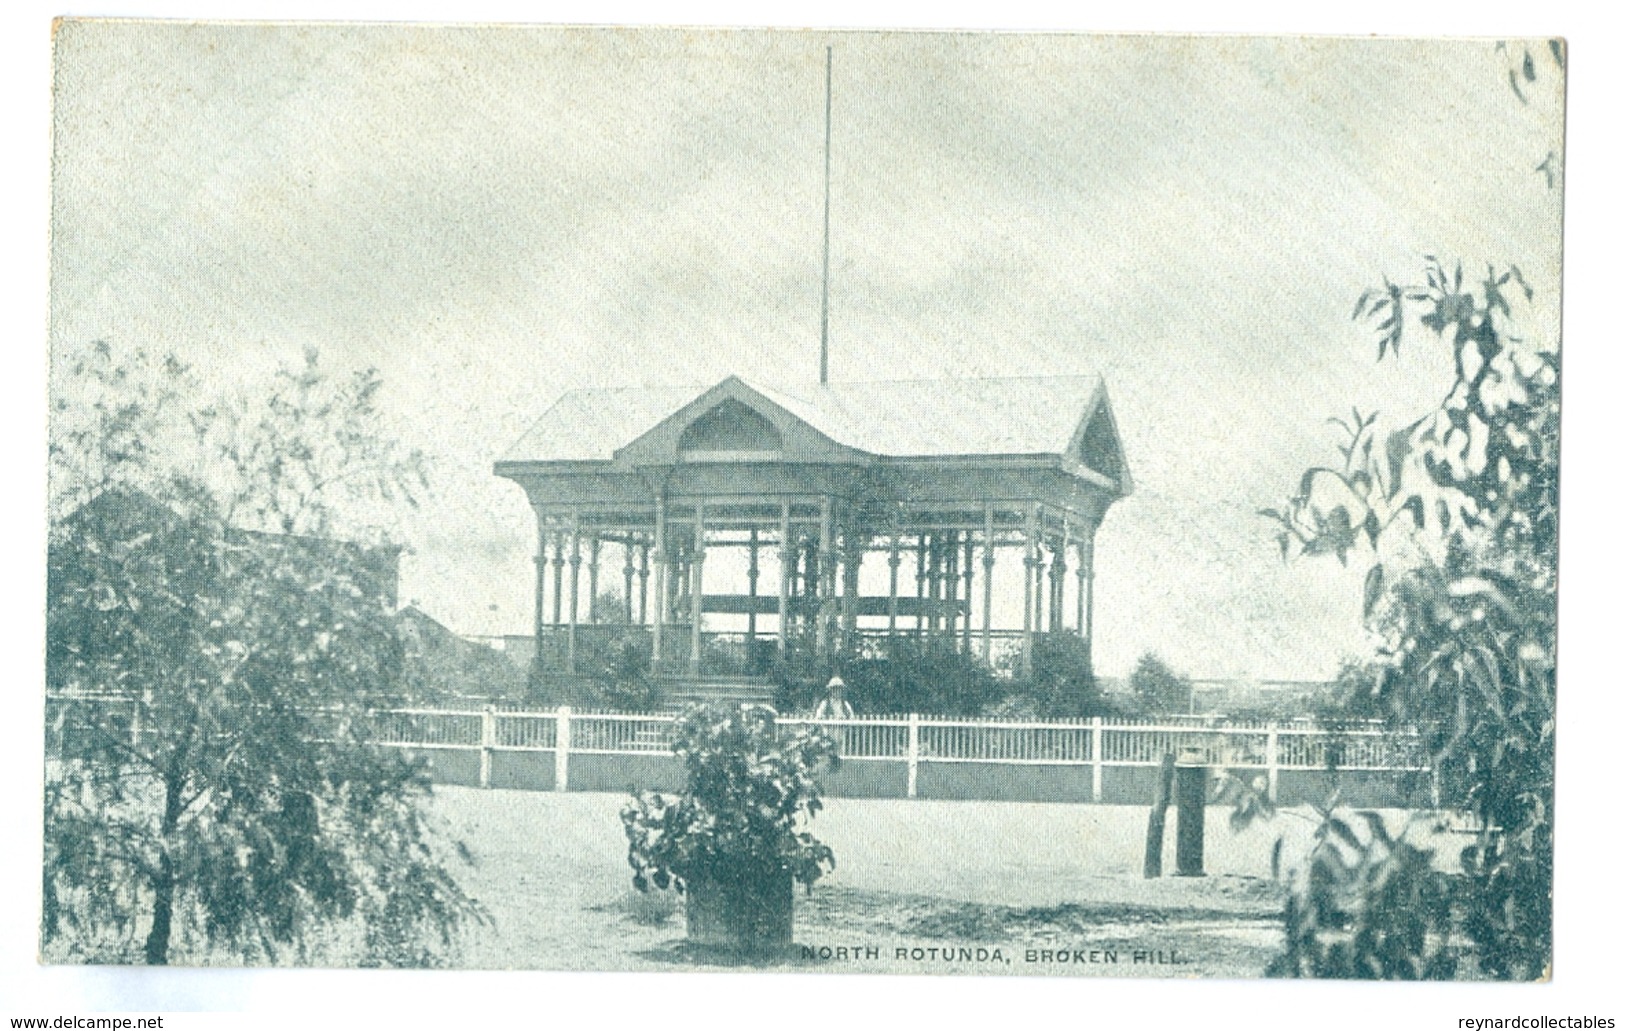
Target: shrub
column 1063, row 683
column 798, row 681
column 615, row 674
column 750, row 785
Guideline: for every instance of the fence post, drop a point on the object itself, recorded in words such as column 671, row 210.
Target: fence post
column 561, row 749
column 913, row 754
column 1272, row 761
column 488, row 742
column 1097, row 753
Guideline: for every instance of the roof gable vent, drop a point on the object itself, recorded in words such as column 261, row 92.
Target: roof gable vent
column 1100, row 449
column 730, row 430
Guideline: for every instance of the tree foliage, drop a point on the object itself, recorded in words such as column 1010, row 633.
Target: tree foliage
column 903, row 675
column 1156, row 688
column 1468, row 630
column 1369, row 906
column 211, row 650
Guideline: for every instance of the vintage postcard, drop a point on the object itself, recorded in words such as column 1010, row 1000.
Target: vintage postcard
column 818, row 502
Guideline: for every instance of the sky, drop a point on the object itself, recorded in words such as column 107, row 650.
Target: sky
column 494, row 216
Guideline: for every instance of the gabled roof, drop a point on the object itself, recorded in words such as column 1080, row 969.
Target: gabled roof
column 1031, row 415
column 132, row 513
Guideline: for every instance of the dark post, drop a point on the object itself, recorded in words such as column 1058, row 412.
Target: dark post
column 1159, row 817
column 1191, row 790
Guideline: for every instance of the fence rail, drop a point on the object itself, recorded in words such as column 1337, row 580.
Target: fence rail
column 911, row 741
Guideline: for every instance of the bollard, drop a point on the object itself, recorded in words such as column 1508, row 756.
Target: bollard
column 1159, row 817
column 1190, row 792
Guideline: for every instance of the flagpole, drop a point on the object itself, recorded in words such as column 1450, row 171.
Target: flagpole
column 823, row 329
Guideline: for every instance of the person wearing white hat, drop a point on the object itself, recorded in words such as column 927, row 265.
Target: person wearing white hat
column 834, row 705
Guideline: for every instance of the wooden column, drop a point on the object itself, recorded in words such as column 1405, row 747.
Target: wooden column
column 808, row 568
column 989, row 543
column 696, row 594
column 752, row 572
column 894, row 558
column 852, row 547
column 1057, row 573
column 575, row 593
column 1083, row 588
column 950, row 585
column 677, row 588
column 643, row 583
column 826, row 573
column 593, row 548
column 1086, row 583
column 920, row 578
column 935, row 582
column 787, row 559
column 558, row 580
column 1038, row 586
column 969, row 574
column 1030, row 562
column 661, row 563
column 539, row 620
column 811, row 576
column 627, row 572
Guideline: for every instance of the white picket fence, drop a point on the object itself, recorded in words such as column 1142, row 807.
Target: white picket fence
column 1249, row 748
column 1266, row 747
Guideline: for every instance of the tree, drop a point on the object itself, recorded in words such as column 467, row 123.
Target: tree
column 1468, row 632
column 1468, row 628
column 1157, row 689
column 197, row 578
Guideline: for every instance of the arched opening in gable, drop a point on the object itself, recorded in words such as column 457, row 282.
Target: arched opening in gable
column 730, row 428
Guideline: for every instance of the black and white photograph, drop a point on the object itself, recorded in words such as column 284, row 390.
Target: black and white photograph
column 802, row 503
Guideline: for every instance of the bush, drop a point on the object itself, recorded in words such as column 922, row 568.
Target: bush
column 749, row 787
column 798, row 681
column 902, row 676
column 905, row 675
column 914, row 678
column 616, row 675
column 1062, row 686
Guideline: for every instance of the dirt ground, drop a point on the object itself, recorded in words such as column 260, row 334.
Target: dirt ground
column 920, row 887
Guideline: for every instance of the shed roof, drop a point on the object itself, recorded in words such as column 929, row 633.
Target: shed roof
column 1027, row 415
